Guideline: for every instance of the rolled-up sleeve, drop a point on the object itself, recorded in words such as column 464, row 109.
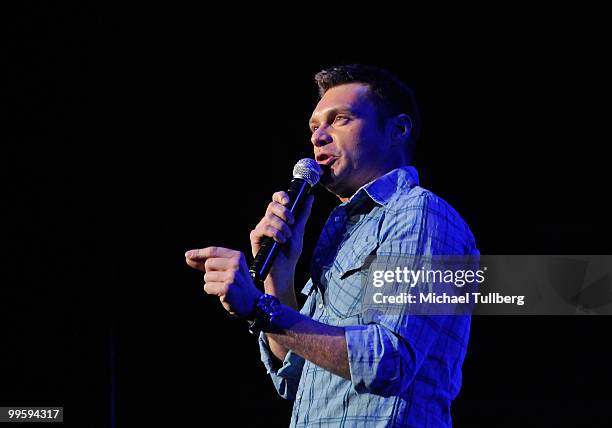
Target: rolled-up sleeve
column 286, row 378
column 381, row 360
column 386, row 353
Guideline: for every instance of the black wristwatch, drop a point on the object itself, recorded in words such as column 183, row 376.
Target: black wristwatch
column 267, row 308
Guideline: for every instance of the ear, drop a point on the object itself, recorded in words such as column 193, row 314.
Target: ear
column 402, row 127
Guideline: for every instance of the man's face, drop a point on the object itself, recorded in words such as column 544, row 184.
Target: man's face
column 348, row 141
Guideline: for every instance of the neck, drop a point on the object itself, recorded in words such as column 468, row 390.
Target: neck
column 371, row 178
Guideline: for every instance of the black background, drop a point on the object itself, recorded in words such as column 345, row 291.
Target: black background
column 134, row 135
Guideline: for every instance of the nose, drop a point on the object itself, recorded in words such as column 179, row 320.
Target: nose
column 320, row 137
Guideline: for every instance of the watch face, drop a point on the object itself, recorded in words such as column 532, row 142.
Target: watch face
column 269, row 305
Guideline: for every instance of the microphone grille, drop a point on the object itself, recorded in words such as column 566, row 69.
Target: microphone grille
column 308, row 170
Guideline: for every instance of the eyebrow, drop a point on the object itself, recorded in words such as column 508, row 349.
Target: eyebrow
column 329, row 112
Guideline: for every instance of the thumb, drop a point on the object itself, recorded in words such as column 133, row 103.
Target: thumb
column 300, row 222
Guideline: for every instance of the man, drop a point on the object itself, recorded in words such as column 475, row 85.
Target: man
column 342, row 366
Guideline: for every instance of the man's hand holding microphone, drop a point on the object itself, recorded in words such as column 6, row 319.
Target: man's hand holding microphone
column 276, row 243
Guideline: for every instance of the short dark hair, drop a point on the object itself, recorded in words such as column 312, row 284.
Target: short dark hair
column 391, row 95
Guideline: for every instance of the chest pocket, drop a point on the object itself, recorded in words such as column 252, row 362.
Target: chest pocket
column 344, row 289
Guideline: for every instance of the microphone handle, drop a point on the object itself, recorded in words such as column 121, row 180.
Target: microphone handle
column 298, row 191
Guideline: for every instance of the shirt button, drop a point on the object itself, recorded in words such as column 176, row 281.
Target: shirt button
column 321, row 305
column 299, row 396
column 337, row 218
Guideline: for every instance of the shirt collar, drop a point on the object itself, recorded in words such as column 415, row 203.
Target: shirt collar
column 382, row 189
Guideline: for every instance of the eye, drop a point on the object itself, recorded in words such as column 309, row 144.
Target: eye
column 340, row 118
column 314, row 128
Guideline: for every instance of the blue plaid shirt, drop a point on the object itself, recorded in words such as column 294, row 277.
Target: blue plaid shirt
column 405, row 370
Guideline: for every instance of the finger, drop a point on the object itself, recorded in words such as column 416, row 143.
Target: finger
column 215, row 276
column 274, row 233
column 195, row 264
column 209, row 252
column 272, row 227
column 280, row 211
column 215, row 288
column 281, row 197
column 222, row 264
column 278, row 224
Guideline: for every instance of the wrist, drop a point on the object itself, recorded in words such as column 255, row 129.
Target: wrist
column 282, row 273
column 287, row 296
column 266, row 309
column 279, row 283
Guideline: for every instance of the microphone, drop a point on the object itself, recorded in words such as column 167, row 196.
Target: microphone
column 306, row 173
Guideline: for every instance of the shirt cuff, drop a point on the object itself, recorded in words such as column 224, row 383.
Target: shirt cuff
column 286, row 378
